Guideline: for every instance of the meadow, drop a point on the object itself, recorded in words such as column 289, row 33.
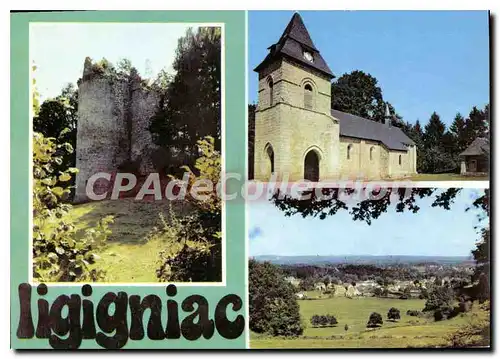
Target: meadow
column 127, row 255
column 407, row 332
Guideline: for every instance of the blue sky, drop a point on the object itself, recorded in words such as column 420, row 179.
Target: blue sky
column 59, row 49
column 430, row 232
column 424, row 61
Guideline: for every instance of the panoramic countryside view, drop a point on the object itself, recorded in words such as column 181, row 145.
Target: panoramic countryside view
column 407, row 271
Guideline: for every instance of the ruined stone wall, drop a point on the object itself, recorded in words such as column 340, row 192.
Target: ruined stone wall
column 113, row 120
column 144, row 104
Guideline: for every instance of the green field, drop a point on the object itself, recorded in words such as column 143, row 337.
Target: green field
column 407, row 332
column 127, row 256
column 445, row 177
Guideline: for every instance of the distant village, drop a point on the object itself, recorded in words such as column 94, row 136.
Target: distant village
column 415, row 282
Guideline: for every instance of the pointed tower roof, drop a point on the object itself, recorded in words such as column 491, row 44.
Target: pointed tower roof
column 293, row 43
column 297, row 31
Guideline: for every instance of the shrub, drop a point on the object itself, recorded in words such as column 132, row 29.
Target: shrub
column 465, row 306
column 475, row 333
column 272, row 304
column 196, row 236
column 393, row 314
column 374, row 320
column 438, row 315
column 283, row 319
column 187, row 254
column 346, row 327
column 445, row 313
column 59, row 254
column 439, row 297
column 413, row 313
column 323, row 320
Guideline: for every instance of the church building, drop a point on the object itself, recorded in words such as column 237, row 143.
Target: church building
column 299, row 136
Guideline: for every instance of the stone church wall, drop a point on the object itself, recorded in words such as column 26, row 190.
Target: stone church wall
column 291, row 129
column 407, row 166
column 292, row 133
column 360, row 164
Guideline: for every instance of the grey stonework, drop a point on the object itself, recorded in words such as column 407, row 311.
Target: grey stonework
column 112, row 132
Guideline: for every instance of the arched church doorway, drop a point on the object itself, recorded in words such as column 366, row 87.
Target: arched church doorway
column 311, row 166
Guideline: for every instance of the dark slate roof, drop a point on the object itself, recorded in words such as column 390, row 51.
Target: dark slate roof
column 292, row 43
column 358, row 127
column 480, row 146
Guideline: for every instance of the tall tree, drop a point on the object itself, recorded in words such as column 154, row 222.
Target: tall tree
column 191, row 106
column 477, row 123
column 459, row 132
column 435, row 153
column 434, row 131
column 358, row 93
column 273, row 305
column 481, row 253
column 57, row 118
column 251, row 139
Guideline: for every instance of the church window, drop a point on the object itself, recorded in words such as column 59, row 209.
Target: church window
column 308, row 96
column 372, row 149
column 271, row 91
column 349, row 149
column 400, row 160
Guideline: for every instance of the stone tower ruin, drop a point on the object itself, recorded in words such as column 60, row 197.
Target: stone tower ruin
column 112, row 132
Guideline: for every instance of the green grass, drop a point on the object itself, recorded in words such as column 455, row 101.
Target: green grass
column 406, row 332
column 127, row 256
column 445, row 177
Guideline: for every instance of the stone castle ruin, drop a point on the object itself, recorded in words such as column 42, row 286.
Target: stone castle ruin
column 113, row 119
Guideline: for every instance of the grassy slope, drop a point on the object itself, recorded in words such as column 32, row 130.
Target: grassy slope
column 409, row 331
column 127, row 257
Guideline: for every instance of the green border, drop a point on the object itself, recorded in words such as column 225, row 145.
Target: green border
column 234, row 161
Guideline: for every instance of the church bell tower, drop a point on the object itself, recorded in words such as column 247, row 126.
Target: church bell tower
column 295, row 134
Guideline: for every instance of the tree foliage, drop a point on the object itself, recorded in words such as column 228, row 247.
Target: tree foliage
column 438, row 148
column 60, row 253
column 439, row 297
column 193, row 243
column 190, row 107
column 358, row 93
column 57, row 118
column 375, row 320
column 273, row 307
column 327, row 320
column 331, row 200
column 393, row 314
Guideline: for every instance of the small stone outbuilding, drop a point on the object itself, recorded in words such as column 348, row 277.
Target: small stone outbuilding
column 474, row 161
